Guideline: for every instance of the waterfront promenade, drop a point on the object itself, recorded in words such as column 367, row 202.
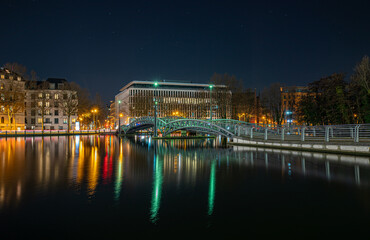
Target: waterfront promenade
column 339, row 146
column 30, row 133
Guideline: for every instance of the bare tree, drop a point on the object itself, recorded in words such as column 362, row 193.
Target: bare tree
column 361, row 75
column 17, row 68
column 69, row 102
column 12, row 99
column 271, row 102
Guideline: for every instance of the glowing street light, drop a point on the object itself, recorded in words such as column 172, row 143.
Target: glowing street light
column 119, row 118
column 94, row 111
column 210, row 97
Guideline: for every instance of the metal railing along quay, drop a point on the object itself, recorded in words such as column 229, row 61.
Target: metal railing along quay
column 357, row 133
column 12, row 133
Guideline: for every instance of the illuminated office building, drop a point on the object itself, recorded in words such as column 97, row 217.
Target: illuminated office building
column 183, row 99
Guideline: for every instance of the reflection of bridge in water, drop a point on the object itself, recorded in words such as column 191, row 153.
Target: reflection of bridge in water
column 187, row 160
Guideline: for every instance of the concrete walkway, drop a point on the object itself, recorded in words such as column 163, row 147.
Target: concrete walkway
column 328, row 147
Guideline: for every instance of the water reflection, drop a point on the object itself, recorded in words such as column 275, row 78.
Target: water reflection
column 157, row 186
column 33, row 166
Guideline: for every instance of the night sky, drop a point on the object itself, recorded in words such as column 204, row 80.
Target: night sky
column 103, row 45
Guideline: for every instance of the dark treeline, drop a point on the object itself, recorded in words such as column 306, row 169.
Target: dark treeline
column 329, row 100
column 332, row 100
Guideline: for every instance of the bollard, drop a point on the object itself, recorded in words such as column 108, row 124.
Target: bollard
column 327, row 138
column 302, row 134
column 265, row 133
column 357, row 134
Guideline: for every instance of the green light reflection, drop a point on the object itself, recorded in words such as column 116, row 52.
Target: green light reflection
column 157, row 189
column 212, row 188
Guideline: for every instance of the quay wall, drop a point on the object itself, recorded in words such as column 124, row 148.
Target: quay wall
column 341, row 148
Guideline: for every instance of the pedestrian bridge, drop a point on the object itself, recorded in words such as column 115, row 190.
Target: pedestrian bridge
column 358, row 133
column 225, row 127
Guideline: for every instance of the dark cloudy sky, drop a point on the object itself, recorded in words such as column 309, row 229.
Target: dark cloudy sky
column 102, row 45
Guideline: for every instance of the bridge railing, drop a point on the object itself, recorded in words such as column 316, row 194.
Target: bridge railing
column 327, row 133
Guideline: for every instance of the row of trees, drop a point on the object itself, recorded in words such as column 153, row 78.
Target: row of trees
column 243, row 100
column 332, row 100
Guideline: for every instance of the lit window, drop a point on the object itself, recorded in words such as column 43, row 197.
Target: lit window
column 47, row 104
column 39, row 104
column 56, row 96
column 40, row 95
column 47, row 95
column 39, row 120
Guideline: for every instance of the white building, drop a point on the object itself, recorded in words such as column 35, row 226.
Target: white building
column 44, row 105
column 189, row 100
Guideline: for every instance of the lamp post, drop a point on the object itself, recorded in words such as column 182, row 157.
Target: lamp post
column 94, row 111
column 210, row 105
column 155, row 109
column 119, row 118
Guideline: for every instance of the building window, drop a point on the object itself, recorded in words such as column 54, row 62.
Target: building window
column 2, row 86
column 2, row 119
column 56, row 112
column 40, row 95
column 47, row 104
column 47, row 95
column 33, row 121
column 65, row 121
column 33, row 96
column 56, row 120
column 33, row 112
column 39, row 120
column 56, row 96
column 47, row 120
column 39, row 104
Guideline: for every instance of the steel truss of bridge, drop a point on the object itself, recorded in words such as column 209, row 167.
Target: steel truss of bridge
column 231, row 128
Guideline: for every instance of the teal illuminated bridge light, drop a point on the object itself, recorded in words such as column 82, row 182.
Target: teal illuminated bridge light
column 155, row 84
column 210, row 86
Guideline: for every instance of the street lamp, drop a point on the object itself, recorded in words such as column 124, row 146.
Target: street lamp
column 210, row 97
column 155, row 109
column 119, row 118
column 94, row 111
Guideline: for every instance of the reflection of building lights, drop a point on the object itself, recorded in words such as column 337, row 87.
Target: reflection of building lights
column 119, row 173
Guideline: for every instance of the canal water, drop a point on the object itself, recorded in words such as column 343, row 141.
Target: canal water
column 82, row 187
